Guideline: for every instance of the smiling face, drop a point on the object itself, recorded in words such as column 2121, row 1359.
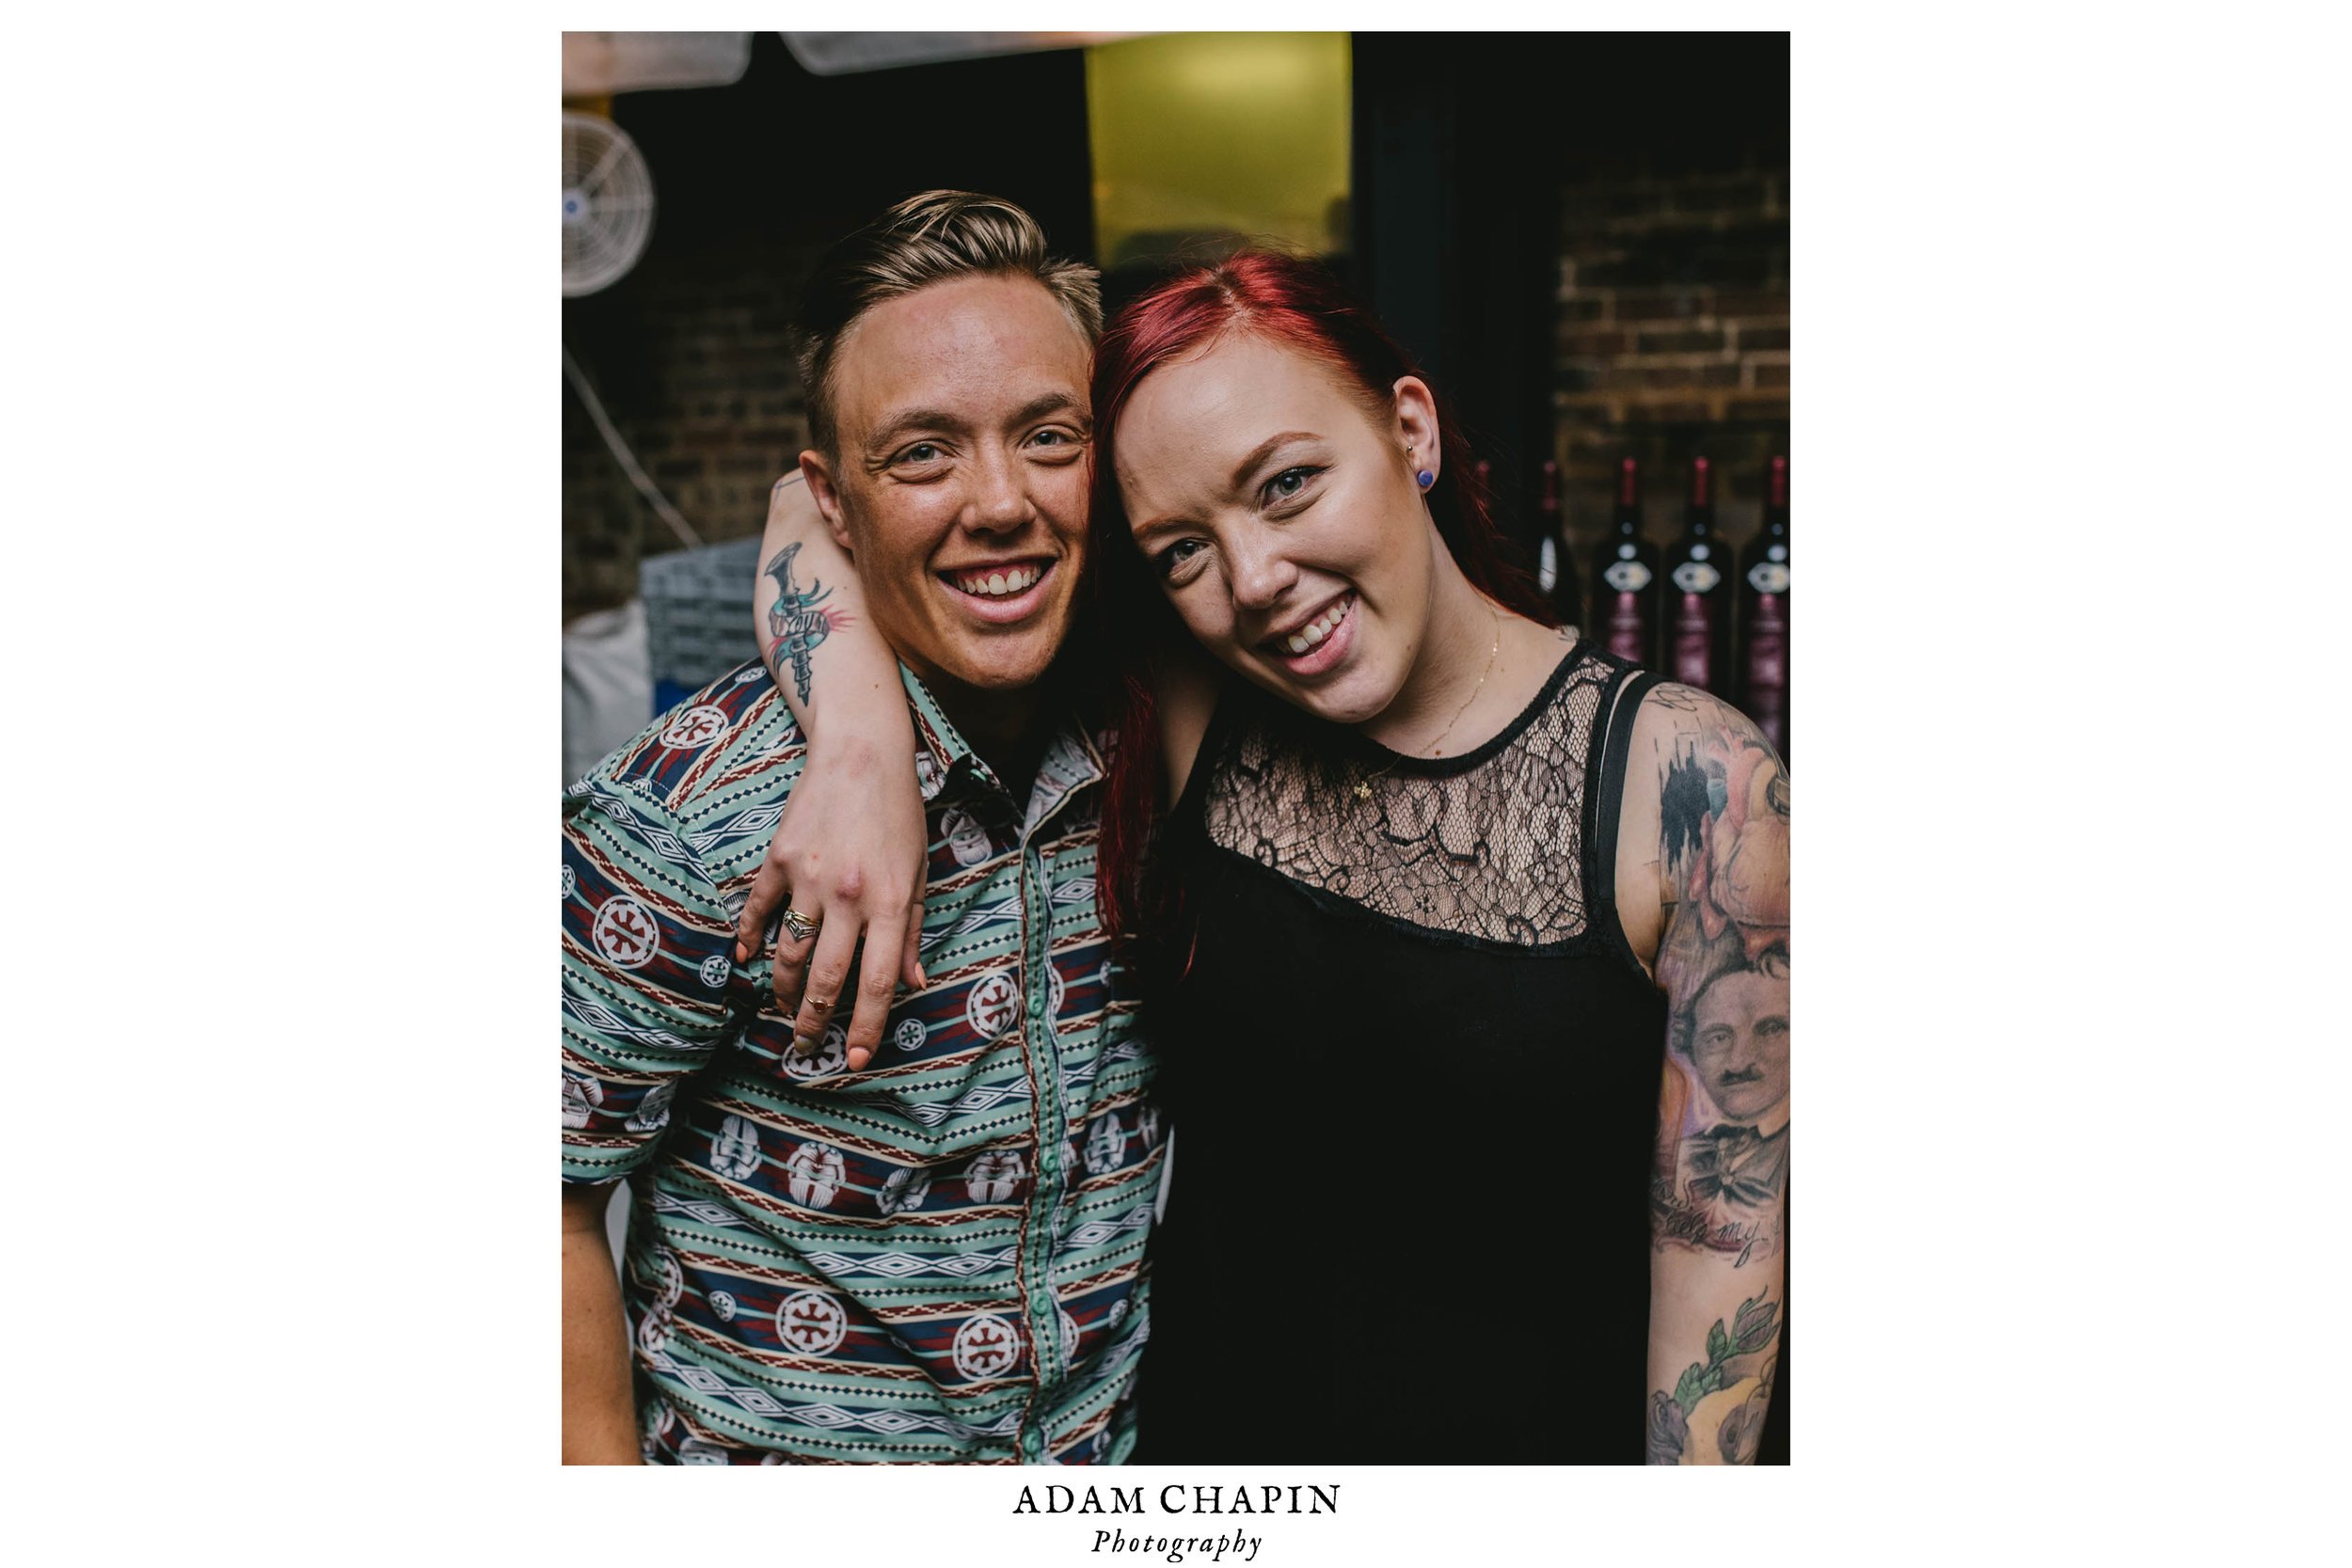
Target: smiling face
column 959, row 485
column 1739, row 1043
column 1282, row 518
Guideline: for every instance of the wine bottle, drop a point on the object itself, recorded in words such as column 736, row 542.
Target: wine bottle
column 1764, row 615
column 1567, row 595
column 1626, row 578
column 1698, row 594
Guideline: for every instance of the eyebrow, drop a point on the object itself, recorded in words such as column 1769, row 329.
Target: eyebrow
column 1051, row 403
column 887, row 434
column 1265, row 450
column 1242, row 470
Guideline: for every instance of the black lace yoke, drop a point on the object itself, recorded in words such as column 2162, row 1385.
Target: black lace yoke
column 1488, row 846
column 1413, row 1074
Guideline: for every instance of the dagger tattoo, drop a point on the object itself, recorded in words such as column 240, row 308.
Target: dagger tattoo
column 795, row 623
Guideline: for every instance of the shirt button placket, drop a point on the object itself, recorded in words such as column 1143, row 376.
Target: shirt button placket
column 1037, row 1019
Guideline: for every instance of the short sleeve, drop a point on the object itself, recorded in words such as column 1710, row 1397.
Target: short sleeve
column 648, row 953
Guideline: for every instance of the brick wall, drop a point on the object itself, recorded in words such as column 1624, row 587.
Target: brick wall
column 691, row 355
column 1673, row 341
column 1672, row 335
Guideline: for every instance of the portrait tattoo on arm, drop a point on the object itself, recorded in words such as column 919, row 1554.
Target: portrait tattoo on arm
column 1720, row 1174
column 797, row 621
column 1723, row 1142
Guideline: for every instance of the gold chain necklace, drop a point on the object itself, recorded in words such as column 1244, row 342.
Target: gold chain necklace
column 1363, row 785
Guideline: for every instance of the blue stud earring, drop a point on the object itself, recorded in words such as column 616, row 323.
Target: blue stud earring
column 1421, row 477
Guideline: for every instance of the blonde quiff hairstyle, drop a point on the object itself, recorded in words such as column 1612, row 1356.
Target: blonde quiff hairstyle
column 931, row 238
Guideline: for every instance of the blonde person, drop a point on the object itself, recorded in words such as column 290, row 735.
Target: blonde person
column 942, row 1264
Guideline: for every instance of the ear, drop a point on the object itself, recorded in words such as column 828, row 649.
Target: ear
column 819, row 476
column 1417, row 423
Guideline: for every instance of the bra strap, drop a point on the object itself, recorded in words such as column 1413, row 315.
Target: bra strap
column 1604, row 800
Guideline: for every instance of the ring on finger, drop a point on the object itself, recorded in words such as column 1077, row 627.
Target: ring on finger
column 820, row 1003
column 803, row 926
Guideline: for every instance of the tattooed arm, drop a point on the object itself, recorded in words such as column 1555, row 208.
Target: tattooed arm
column 806, row 592
column 1705, row 823
column 849, row 847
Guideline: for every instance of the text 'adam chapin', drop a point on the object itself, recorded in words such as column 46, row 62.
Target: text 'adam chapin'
column 1176, row 1497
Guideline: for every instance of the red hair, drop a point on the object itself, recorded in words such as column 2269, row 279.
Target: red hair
column 1301, row 305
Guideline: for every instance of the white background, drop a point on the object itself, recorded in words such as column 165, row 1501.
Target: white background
column 282, row 599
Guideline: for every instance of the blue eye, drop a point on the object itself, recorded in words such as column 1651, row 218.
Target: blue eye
column 1177, row 554
column 1287, row 484
column 1058, row 443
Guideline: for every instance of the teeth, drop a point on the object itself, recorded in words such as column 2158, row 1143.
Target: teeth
column 1317, row 630
column 995, row 584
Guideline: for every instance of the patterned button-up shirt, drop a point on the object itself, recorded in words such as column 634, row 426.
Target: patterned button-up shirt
column 935, row 1259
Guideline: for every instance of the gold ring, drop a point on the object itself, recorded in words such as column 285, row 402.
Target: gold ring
column 803, row 926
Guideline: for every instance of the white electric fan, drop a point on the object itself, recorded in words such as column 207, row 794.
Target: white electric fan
column 608, row 203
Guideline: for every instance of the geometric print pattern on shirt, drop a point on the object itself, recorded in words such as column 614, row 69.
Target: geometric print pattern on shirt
column 935, row 1259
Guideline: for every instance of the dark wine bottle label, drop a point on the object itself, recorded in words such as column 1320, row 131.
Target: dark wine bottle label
column 1628, row 629
column 1767, row 673
column 1691, row 657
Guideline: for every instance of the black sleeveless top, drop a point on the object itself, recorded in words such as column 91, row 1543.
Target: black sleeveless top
column 1413, row 1074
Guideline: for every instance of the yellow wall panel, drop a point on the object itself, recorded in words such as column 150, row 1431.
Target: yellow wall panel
column 1206, row 133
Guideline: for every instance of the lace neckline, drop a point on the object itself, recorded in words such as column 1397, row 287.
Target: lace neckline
column 1393, row 762
column 1486, row 848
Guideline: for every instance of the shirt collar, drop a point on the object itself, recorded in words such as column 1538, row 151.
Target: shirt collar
column 945, row 758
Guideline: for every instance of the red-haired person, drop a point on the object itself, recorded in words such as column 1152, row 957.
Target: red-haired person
column 1421, row 884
